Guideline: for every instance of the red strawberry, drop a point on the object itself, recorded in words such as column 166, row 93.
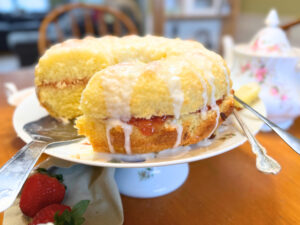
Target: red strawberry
column 39, row 191
column 62, row 214
column 47, row 214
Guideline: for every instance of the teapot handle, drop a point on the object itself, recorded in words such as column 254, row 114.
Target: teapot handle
column 228, row 45
column 287, row 26
column 298, row 67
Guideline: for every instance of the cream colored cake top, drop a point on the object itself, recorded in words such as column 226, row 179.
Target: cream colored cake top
column 138, row 76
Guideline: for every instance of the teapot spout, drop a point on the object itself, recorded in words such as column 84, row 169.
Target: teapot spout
column 228, row 44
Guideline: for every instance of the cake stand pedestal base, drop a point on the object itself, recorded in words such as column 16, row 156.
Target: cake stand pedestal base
column 152, row 181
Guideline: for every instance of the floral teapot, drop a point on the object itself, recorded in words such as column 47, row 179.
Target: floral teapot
column 270, row 61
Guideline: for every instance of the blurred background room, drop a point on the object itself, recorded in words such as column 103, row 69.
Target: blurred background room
column 202, row 20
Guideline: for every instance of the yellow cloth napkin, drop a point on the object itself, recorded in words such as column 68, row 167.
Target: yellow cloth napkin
column 96, row 184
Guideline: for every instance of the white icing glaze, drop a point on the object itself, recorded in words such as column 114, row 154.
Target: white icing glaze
column 108, row 127
column 127, row 128
column 204, row 143
column 117, row 89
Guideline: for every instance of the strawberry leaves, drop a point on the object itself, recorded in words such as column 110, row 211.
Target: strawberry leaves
column 59, row 177
column 75, row 217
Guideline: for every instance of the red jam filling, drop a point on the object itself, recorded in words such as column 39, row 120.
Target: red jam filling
column 148, row 126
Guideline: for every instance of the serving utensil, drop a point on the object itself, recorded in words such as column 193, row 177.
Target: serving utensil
column 291, row 140
column 264, row 163
column 44, row 132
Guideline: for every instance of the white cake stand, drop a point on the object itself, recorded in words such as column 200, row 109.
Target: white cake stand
column 151, row 182
column 147, row 175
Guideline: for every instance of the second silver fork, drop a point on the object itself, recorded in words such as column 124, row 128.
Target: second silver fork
column 264, row 163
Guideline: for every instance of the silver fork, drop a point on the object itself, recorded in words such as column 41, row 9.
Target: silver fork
column 264, row 163
column 44, row 132
column 292, row 141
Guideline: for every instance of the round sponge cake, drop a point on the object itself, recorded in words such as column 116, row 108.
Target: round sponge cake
column 136, row 94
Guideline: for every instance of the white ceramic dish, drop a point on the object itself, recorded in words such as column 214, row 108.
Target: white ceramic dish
column 81, row 152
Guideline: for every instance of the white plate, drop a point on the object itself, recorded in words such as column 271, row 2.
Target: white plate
column 81, row 152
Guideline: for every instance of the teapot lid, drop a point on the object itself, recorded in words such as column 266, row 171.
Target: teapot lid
column 271, row 40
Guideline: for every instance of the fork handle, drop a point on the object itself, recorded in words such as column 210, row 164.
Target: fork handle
column 292, row 141
column 15, row 172
column 264, row 163
column 256, row 147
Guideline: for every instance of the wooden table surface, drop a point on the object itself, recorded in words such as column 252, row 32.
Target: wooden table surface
column 226, row 189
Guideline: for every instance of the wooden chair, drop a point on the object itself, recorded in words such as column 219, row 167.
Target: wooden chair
column 120, row 21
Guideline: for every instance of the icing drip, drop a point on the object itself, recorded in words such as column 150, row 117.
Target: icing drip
column 204, row 95
column 177, row 95
column 207, row 66
column 117, row 89
column 169, row 75
column 179, row 129
column 127, row 132
column 127, row 129
column 110, row 146
column 210, row 55
column 214, row 104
